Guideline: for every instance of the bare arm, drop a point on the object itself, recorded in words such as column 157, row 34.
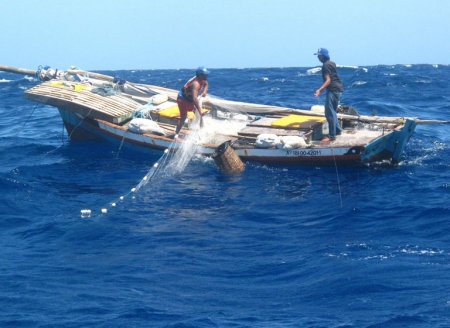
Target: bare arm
column 197, row 106
column 195, row 90
column 205, row 92
column 325, row 85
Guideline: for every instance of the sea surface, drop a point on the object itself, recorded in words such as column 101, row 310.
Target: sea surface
column 277, row 246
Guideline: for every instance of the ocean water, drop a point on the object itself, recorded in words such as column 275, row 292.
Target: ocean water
column 277, row 246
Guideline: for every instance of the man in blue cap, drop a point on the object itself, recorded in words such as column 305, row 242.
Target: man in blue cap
column 334, row 87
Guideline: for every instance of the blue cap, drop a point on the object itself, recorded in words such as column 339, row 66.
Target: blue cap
column 202, row 71
column 322, row 52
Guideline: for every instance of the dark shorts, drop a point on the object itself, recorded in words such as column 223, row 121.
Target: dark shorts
column 185, row 106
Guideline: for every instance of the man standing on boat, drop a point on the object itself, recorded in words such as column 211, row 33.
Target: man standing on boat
column 334, row 87
column 188, row 97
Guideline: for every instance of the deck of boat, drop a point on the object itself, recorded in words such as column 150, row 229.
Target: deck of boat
column 311, row 131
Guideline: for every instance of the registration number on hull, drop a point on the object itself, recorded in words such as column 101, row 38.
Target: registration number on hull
column 309, row 152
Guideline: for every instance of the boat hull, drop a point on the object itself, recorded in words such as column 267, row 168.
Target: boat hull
column 387, row 147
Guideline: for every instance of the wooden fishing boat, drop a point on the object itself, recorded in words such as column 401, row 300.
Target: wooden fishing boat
column 143, row 117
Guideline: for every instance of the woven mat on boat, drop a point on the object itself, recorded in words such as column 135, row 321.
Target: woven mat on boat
column 80, row 98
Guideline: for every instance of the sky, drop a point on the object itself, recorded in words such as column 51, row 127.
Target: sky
column 177, row 34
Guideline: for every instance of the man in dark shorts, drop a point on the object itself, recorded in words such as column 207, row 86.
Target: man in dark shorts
column 334, row 87
column 187, row 99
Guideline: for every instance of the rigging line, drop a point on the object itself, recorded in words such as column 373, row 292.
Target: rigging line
column 79, row 123
column 53, row 150
column 62, row 133
column 73, row 130
column 26, row 121
column 121, row 144
column 29, row 116
column 337, row 176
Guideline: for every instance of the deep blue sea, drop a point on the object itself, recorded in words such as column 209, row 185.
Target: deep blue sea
column 277, row 246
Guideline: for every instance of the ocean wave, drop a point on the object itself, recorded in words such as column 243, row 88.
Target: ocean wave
column 358, row 83
column 417, row 250
column 314, row 70
column 347, row 66
column 363, row 251
column 422, row 81
column 5, row 81
column 29, row 78
column 364, row 69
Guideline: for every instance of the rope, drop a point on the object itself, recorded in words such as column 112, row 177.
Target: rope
column 79, row 123
column 121, row 144
column 337, row 177
column 28, row 118
column 70, row 136
column 62, row 133
column 25, row 123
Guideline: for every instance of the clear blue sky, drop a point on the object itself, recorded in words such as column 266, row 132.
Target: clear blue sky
column 149, row 34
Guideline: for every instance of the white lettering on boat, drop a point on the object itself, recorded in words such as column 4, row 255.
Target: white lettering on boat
column 309, row 152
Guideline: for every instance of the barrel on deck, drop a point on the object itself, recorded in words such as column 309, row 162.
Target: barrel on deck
column 227, row 160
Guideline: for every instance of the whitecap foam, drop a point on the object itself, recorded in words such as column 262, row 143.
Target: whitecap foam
column 357, row 83
column 423, row 81
column 5, row 81
column 348, row 66
column 416, row 250
column 314, row 70
column 365, row 69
